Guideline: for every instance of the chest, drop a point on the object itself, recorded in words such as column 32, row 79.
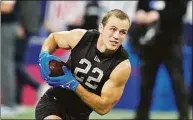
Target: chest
column 91, row 69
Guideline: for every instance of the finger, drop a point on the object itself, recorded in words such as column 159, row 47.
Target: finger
column 65, row 69
column 40, row 68
column 43, row 74
column 45, row 65
column 44, row 62
column 45, row 68
column 59, row 78
column 58, row 82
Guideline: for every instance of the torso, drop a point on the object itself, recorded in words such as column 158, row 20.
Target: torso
column 91, row 68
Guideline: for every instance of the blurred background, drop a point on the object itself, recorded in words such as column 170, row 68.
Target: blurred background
column 26, row 24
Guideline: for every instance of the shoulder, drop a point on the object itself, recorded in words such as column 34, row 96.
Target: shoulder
column 70, row 38
column 77, row 33
column 77, row 30
column 123, row 66
column 82, row 36
column 80, row 33
column 83, row 31
column 73, row 34
column 121, row 72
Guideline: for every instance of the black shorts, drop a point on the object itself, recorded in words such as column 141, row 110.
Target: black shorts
column 50, row 105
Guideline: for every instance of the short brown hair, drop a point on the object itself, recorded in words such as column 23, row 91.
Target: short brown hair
column 117, row 13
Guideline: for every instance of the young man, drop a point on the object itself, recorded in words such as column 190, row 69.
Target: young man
column 99, row 65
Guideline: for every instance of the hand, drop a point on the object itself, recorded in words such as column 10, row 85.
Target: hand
column 152, row 16
column 141, row 17
column 44, row 60
column 146, row 18
column 64, row 81
column 21, row 32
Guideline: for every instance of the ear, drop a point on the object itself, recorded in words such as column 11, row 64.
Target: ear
column 100, row 27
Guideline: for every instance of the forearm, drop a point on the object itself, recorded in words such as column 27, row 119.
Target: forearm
column 97, row 103
column 50, row 44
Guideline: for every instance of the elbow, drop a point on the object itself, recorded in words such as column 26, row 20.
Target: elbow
column 52, row 38
column 106, row 108
column 103, row 111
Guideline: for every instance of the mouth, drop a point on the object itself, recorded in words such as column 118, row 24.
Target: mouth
column 114, row 43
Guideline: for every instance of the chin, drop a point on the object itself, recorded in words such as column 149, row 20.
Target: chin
column 112, row 48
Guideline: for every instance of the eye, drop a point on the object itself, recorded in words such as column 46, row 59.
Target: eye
column 123, row 32
column 112, row 29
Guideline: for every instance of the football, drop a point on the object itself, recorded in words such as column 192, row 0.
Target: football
column 56, row 68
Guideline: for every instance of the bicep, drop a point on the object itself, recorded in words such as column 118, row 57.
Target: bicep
column 68, row 39
column 111, row 92
column 114, row 87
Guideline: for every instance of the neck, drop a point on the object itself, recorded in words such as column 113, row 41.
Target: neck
column 102, row 48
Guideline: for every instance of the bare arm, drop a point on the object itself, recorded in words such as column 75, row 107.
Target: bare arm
column 64, row 39
column 111, row 92
column 7, row 6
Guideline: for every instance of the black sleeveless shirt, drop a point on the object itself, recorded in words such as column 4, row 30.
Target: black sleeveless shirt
column 91, row 68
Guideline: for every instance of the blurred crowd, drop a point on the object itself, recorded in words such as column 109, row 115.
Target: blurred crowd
column 156, row 36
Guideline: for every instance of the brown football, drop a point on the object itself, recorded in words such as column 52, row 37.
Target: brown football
column 56, row 68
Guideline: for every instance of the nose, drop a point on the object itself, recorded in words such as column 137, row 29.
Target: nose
column 116, row 35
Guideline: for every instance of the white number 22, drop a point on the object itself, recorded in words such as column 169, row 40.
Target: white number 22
column 85, row 71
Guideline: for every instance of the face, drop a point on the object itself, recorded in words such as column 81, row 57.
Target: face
column 114, row 32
